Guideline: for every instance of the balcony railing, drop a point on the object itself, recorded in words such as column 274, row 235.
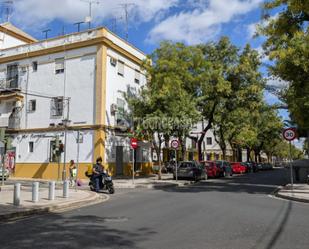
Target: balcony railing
column 9, row 84
column 54, row 42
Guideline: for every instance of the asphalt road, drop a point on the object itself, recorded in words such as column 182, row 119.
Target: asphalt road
column 221, row 213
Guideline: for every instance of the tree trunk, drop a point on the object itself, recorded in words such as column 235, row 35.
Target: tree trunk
column 158, row 152
column 209, row 125
column 183, row 148
column 166, row 141
column 223, row 153
column 239, row 153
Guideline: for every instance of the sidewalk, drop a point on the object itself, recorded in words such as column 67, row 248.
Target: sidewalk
column 150, row 182
column 300, row 192
column 76, row 199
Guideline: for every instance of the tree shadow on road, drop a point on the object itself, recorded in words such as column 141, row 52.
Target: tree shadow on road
column 281, row 220
column 254, row 183
column 82, row 231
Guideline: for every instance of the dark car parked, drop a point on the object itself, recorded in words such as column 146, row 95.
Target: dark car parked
column 190, row 170
column 226, row 168
column 249, row 167
column 266, row 166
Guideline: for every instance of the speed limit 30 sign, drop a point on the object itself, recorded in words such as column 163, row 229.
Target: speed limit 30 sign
column 174, row 144
column 289, row 134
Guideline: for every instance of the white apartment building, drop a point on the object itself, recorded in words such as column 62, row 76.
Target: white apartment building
column 68, row 87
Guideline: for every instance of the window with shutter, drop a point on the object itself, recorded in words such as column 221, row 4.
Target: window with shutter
column 59, row 65
column 32, row 105
column 121, row 68
column 137, row 76
column 56, row 107
column 34, row 66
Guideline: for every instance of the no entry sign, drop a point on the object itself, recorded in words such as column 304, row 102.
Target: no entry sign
column 289, row 134
column 134, row 143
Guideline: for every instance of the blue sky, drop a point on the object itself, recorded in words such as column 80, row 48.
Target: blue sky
column 150, row 21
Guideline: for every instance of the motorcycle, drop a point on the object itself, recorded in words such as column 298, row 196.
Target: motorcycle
column 106, row 183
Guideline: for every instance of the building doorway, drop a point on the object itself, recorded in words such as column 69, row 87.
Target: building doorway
column 119, row 160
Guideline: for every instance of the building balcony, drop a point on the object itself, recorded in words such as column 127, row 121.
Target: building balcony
column 14, row 123
column 10, row 90
column 10, row 84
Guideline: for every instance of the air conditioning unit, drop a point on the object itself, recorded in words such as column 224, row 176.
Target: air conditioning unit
column 113, row 61
column 113, row 109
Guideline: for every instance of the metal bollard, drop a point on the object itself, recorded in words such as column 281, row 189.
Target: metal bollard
column 51, row 192
column 35, row 192
column 66, row 189
column 16, row 200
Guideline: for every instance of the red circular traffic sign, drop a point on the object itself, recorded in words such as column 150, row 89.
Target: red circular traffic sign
column 175, row 144
column 289, row 134
column 134, row 143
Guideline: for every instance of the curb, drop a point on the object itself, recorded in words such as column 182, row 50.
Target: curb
column 57, row 208
column 154, row 185
column 276, row 193
column 291, row 198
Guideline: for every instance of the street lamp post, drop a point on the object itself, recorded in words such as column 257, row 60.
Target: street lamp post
column 65, row 122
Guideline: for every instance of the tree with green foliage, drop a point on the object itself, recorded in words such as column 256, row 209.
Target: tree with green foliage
column 287, row 45
column 232, row 117
column 164, row 107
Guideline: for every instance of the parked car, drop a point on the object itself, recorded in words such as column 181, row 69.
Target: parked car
column 226, row 169
column 238, row 168
column 254, row 166
column 212, row 169
column 259, row 166
column 6, row 173
column 267, row 166
column 190, row 170
column 249, row 166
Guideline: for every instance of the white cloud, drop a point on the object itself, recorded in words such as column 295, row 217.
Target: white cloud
column 31, row 14
column 276, row 82
column 251, row 29
column 264, row 58
column 202, row 23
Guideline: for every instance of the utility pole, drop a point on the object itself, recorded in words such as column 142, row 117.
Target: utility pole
column 65, row 122
column 89, row 17
column 125, row 7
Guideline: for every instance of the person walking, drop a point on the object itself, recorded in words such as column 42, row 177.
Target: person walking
column 73, row 172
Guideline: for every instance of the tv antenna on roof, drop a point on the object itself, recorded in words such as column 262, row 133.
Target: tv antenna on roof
column 46, row 33
column 89, row 17
column 125, row 7
column 7, row 9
